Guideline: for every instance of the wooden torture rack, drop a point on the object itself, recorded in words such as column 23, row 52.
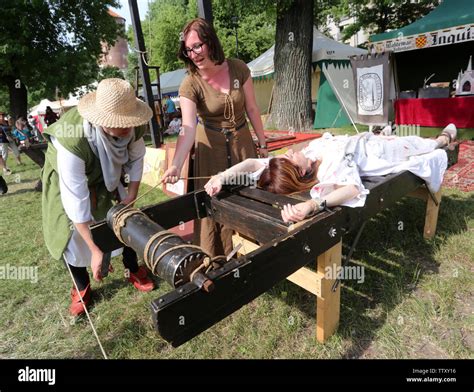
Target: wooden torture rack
column 205, row 291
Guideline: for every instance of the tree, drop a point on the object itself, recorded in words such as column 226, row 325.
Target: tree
column 293, row 56
column 166, row 18
column 253, row 21
column 161, row 31
column 52, row 45
column 110, row 72
column 378, row 16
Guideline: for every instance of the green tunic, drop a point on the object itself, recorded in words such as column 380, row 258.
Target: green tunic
column 69, row 131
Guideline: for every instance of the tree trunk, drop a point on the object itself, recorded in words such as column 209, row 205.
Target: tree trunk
column 292, row 107
column 18, row 97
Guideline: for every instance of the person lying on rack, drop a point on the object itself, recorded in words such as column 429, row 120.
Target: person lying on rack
column 331, row 167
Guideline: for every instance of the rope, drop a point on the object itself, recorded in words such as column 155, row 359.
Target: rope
column 229, row 109
column 85, row 308
column 120, row 218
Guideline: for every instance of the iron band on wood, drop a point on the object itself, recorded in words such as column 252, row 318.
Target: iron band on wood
column 166, row 254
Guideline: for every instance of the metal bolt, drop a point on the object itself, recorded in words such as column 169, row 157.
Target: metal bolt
column 306, row 249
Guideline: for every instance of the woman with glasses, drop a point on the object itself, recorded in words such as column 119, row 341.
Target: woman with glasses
column 221, row 92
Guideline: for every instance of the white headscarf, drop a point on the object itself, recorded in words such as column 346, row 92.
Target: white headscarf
column 111, row 151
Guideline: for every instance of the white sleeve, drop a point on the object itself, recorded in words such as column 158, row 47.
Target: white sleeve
column 134, row 166
column 337, row 176
column 73, row 185
column 256, row 174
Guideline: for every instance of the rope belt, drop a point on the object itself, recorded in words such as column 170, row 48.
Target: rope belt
column 226, row 132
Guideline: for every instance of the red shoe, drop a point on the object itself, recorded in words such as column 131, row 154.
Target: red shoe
column 76, row 308
column 140, row 280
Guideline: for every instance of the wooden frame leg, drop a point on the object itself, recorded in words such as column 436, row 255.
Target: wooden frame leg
column 328, row 303
column 431, row 218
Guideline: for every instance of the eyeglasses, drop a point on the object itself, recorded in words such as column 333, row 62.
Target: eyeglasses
column 197, row 48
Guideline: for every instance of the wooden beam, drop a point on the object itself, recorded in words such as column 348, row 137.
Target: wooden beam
column 328, row 303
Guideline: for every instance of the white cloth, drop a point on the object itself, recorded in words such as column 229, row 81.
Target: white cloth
column 75, row 193
column 375, row 156
column 112, row 152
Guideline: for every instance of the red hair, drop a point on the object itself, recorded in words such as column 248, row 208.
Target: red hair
column 283, row 177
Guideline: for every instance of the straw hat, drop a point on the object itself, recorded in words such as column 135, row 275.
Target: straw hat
column 114, row 105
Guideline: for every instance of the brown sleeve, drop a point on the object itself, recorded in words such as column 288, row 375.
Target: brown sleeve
column 242, row 71
column 188, row 89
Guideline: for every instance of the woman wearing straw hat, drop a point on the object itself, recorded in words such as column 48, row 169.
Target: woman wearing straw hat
column 91, row 148
column 221, row 92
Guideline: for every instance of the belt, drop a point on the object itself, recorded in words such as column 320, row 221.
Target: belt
column 226, row 132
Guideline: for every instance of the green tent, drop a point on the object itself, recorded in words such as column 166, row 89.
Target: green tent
column 449, row 14
column 435, row 47
column 329, row 112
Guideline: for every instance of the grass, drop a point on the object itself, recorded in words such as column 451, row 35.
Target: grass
column 416, row 301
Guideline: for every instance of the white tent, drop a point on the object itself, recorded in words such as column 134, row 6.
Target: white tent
column 169, row 82
column 41, row 107
column 324, row 48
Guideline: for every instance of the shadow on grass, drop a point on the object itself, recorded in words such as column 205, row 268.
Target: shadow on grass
column 19, row 191
column 395, row 257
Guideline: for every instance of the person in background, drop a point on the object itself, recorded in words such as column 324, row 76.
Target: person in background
column 221, row 92
column 50, row 116
column 8, row 129
column 3, row 184
column 4, row 150
column 33, row 123
column 174, row 127
column 21, row 132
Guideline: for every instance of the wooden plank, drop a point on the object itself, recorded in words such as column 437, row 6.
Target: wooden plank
column 328, row 303
column 261, row 209
column 258, row 227
column 308, row 280
column 247, row 245
column 431, row 218
column 267, row 197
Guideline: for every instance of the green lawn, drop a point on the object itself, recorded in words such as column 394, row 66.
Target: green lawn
column 417, row 300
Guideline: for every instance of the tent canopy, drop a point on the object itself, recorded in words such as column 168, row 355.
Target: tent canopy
column 169, row 83
column 450, row 13
column 324, row 48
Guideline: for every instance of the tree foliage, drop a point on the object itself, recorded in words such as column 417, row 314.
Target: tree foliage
column 52, row 45
column 378, row 16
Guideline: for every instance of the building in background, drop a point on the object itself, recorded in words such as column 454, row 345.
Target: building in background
column 336, row 30
column 116, row 56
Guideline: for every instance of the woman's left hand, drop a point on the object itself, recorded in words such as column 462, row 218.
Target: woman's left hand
column 297, row 212
column 263, row 152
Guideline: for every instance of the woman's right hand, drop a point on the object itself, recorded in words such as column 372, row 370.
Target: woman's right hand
column 96, row 264
column 171, row 175
column 214, row 185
